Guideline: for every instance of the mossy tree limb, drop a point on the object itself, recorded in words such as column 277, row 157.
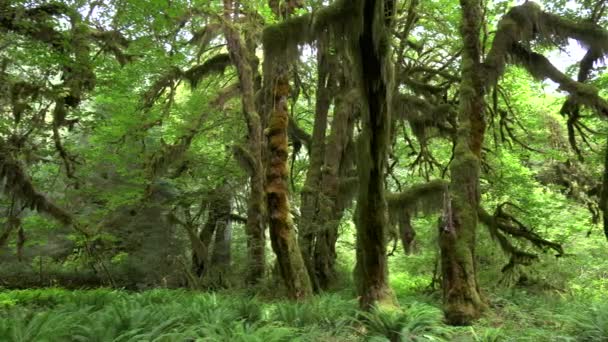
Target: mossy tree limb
column 529, row 22
column 18, row 184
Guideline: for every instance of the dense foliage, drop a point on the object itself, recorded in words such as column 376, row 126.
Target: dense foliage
column 245, row 169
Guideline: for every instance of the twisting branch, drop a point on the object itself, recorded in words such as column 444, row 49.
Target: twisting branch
column 528, row 22
column 541, row 68
column 214, row 65
column 19, row 184
column 501, row 224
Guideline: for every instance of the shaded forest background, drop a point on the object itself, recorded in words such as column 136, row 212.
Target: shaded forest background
column 409, row 155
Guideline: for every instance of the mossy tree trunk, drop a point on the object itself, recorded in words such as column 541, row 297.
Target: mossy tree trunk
column 463, row 302
column 218, row 219
column 221, row 256
column 375, row 82
column 309, row 209
column 255, row 226
column 331, row 203
column 282, row 235
column 603, row 204
column 407, row 234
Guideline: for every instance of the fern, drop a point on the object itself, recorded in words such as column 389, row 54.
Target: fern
column 592, row 325
column 418, row 322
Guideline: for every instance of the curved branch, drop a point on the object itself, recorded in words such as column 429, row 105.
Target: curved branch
column 18, row 183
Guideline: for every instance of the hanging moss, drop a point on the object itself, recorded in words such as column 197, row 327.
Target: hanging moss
column 341, row 20
column 214, row 65
column 426, row 198
column 19, row 184
column 541, row 68
column 527, row 22
column 424, row 116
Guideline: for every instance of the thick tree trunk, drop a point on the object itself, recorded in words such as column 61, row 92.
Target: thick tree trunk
column 371, row 214
column 309, row 207
column 255, row 226
column 463, row 302
column 282, row 235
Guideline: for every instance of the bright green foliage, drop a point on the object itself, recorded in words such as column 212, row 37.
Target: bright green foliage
column 416, row 322
column 165, row 114
column 159, row 315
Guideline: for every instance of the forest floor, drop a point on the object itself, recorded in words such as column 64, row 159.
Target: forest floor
column 557, row 300
column 179, row 315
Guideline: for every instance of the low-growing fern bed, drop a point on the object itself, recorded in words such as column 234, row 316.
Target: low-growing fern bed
column 175, row 315
column 178, row 315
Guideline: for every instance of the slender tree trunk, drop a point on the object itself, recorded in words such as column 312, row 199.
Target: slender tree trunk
column 604, row 195
column 309, row 208
column 12, row 222
column 200, row 257
column 462, row 299
column 331, row 203
column 371, row 214
column 218, row 221
column 255, row 226
column 282, row 235
column 407, row 233
column 220, row 257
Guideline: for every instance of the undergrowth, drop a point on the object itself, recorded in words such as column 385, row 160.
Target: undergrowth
column 176, row 315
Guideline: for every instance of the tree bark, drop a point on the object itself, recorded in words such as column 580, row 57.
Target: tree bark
column 282, row 235
column 603, row 204
column 221, row 257
column 407, row 233
column 255, row 227
column 371, row 214
column 331, row 203
column 463, row 301
column 309, row 207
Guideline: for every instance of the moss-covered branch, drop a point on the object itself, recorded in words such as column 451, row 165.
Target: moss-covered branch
column 541, row 68
column 282, row 40
column 297, row 133
column 528, row 22
column 245, row 159
column 422, row 115
column 19, row 184
column 214, row 65
column 427, row 198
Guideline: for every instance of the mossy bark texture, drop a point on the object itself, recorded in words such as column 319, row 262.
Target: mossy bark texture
column 604, row 194
column 255, row 226
column 309, row 208
column 375, row 82
column 331, row 203
column 282, row 235
column 463, row 301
